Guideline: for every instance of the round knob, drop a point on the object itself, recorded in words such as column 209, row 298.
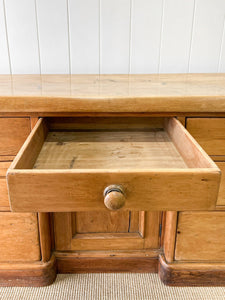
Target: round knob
column 114, row 197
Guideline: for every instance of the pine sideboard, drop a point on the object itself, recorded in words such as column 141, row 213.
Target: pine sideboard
column 112, row 173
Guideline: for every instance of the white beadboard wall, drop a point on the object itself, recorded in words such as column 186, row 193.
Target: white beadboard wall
column 112, row 36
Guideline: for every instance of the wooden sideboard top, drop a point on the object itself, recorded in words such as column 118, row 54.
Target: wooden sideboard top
column 168, row 93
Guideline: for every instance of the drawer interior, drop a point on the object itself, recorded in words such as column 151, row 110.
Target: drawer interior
column 152, row 148
column 79, row 143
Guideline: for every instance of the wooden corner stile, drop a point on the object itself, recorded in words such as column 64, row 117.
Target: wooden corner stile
column 44, row 224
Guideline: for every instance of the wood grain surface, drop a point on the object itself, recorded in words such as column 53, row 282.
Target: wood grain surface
column 191, row 274
column 109, row 150
column 4, row 198
column 19, row 237
column 200, row 236
column 113, row 93
column 28, row 274
column 169, row 232
column 102, row 222
column 107, row 261
column 209, row 133
column 13, row 134
column 69, row 238
column 221, row 195
column 142, row 163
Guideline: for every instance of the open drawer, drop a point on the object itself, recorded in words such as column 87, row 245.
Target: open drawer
column 87, row 164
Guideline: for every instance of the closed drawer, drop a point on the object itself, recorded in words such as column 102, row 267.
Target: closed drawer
column 141, row 164
column 200, row 236
column 4, row 198
column 19, row 237
column 13, row 133
column 209, row 133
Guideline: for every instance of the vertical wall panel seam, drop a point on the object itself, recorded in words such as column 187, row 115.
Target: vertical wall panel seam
column 69, row 37
column 131, row 35
column 191, row 40
column 221, row 47
column 7, row 38
column 38, row 37
column 100, row 50
column 161, row 35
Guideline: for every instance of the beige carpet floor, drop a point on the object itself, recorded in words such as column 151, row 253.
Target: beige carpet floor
column 111, row 286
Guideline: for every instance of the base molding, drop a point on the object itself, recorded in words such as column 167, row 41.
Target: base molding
column 35, row 274
column 191, row 274
column 69, row 263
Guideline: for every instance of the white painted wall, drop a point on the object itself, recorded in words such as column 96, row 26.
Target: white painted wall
column 112, row 36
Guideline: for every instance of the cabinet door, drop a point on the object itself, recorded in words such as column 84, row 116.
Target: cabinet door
column 125, row 230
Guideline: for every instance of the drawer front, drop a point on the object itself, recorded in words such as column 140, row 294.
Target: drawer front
column 4, row 198
column 13, row 133
column 83, row 192
column 221, row 196
column 200, row 236
column 19, row 237
column 209, row 133
column 159, row 168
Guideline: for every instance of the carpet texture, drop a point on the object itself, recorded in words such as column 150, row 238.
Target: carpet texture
column 111, row 286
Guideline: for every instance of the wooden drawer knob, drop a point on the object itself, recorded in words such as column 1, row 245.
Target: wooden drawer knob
column 114, row 197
